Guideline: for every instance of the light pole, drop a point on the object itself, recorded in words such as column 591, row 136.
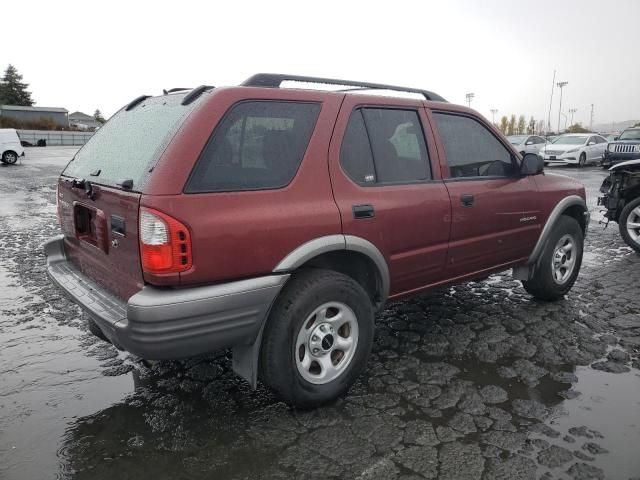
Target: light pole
column 553, row 82
column 572, row 111
column 561, row 85
column 493, row 115
column 469, row 97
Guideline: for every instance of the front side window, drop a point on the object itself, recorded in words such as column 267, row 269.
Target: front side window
column 383, row 146
column 257, row 145
column 471, row 149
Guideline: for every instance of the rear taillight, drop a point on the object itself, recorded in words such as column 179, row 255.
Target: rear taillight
column 165, row 243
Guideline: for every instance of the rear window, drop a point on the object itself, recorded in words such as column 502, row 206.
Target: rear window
column 128, row 145
column 257, row 145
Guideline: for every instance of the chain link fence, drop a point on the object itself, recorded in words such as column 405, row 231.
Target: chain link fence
column 54, row 138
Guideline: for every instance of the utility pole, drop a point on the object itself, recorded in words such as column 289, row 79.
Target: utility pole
column 591, row 120
column 553, row 83
column 469, row 97
column 493, row 115
column 572, row 111
column 561, row 85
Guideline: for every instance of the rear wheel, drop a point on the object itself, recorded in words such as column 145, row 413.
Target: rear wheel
column 9, row 157
column 583, row 160
column 317, row 338
column 629, row 224
column 559, row 265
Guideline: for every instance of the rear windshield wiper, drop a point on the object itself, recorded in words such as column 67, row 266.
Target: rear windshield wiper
column 84, row 185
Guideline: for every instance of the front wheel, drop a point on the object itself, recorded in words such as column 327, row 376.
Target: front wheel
column 318, row 337
column 9, row 157
column 583, row 160
column 629, row 224
column 559, row 265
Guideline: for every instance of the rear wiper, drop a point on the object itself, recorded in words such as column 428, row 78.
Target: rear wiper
column 85, row 185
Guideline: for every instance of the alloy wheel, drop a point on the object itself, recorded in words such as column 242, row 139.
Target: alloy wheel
column 326, row 343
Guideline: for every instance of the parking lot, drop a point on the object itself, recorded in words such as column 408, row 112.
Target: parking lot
column 475, row 381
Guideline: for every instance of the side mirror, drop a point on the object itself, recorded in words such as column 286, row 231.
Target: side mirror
column 529, row 143
column 532, row 164
column 616, row 138
column 590, row 143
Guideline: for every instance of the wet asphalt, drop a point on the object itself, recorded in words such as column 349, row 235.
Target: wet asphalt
column 474, row 381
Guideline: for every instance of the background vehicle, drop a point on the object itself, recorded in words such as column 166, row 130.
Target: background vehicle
column 10, row 146
column 623, row 148
column 527, row 143
column 574, row 149
column 276, row 221
column 622, row 200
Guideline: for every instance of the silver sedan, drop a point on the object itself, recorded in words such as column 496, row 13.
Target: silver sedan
column 527, row 143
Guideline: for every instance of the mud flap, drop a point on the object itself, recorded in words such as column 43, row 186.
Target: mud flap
column 523, row 272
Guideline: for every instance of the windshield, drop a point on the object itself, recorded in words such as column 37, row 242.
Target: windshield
column 130, row 142
column 630, row 135
column 570, row 140
column 516, row 139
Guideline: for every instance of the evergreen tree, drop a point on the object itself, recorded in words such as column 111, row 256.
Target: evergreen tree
column 98, row 116
column 511, row 128
column 12, row 90
column 504, row 123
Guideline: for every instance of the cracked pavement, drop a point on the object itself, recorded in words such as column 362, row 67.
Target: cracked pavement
column 477, row 381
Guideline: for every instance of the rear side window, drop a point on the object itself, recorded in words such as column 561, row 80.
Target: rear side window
column 257, row 145
column 128, row 145
column 383, row 146
column 471, row 149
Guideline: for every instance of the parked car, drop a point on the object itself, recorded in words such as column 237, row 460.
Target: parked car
column 574, row 149
column 622, row 200
column 527, row 143
column 623, row 148
column 277, row 221
column 10, row 146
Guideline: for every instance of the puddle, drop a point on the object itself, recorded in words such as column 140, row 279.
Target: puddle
column 609, row 404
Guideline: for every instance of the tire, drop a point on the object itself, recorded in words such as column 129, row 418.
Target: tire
column 630, row 215
column 553, row 262
column 583, row 160
column 303, row 312
column 9, row 157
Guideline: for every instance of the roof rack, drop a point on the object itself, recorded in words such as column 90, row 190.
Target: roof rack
column 274, row 80
column 195, row 93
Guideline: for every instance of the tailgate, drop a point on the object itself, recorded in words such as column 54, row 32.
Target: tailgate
column 101, row 234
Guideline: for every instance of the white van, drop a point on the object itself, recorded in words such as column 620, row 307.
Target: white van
column 10, row 146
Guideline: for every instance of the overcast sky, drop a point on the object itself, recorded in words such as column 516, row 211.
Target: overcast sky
column 88, row 55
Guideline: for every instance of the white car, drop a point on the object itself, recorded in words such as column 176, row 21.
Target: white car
column 574, row 149
column 10, row 146
column 527, row 143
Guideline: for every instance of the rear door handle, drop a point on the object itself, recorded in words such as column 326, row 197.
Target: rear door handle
column 363, row 211
column 467, row 200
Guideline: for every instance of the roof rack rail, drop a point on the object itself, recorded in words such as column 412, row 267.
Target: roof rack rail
column 275, row 79
column 179, row 89
column 195, row 93
column 135, row 102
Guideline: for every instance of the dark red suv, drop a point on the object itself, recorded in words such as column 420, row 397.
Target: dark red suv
column 276, row 221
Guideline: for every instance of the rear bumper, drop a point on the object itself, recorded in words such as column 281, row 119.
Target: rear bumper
column 166, row 324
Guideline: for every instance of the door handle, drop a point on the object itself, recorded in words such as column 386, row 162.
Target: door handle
column 467, row 200
column 363, row 211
